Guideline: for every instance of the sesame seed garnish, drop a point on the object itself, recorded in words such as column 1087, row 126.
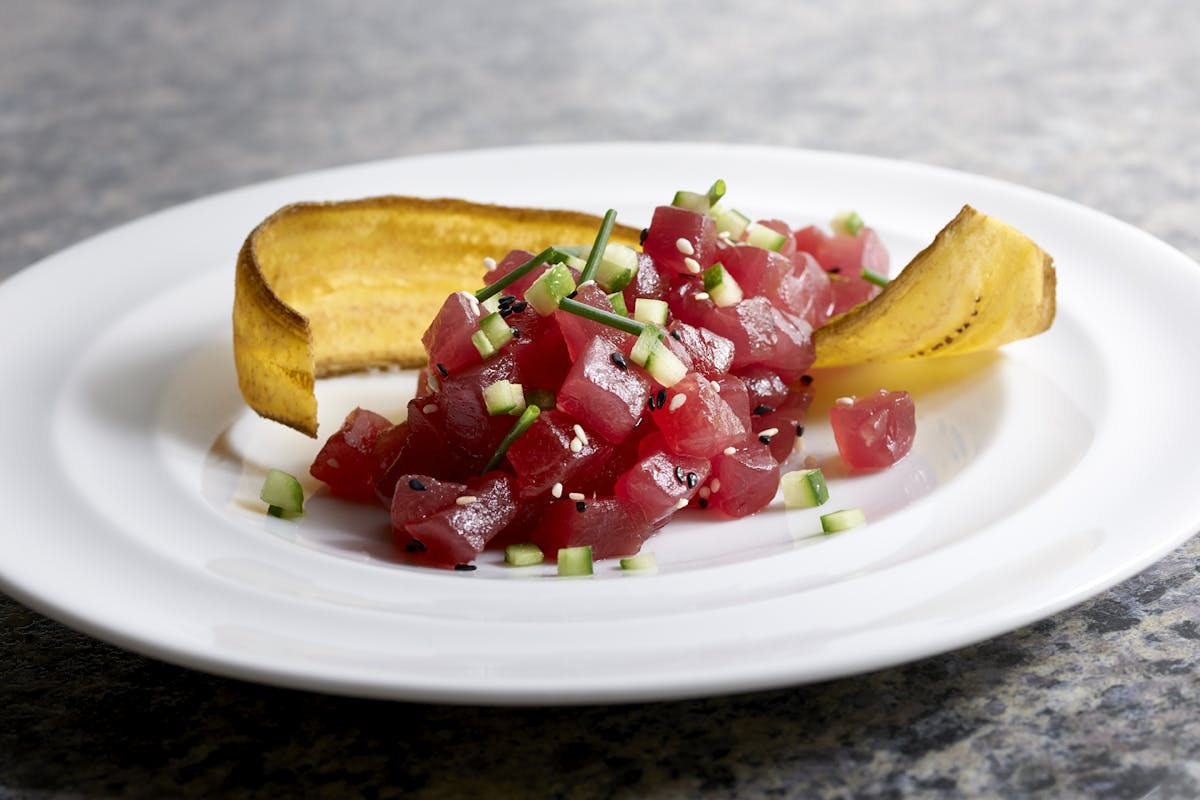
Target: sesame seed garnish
column 705, row 492
column 810, row 461
column 693, row 266
column 516, row 333
column 576, row 445
column 692, row 479
column 333, row 463
column 416, row 485
column 429, row 408
column 489, row 264
column 519, row 306
column 681, row 502
column 581, row 506
column 676, row 335
column 763, row 408
column 556, row 490
column 465, row 500
column 726, row 235
column 715, row 485
column 619, row 360
column 769, row 432
column 729, row 450
column 471, row 301
column 506, row 300
column 433, row 383
column 845, row 401
column 703, row 503
column 415, row 546
column 576, row 496
column 799, row 430
column 677, row 402
column 684, row 246
column 642, row 236
column 580, row 434
column 464, row 567
column 806, row 379
column 505, row 311
column 442, row 369
column 661, row 397
column 679, row 474
column 700, row 296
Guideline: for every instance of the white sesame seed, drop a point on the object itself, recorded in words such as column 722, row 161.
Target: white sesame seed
column 580, row 434
column 726, row 235
column 589, row 282
column 845, row 401
column 700, row 296
column 769, row 432
column 471, row 301
column 433, row 383
column 430, row 408
column 705, row 492
column 684, row 246
column 693, row 266
column 715, row 485
column 810, row 461
column 576, row 496
column 333, row 463
column 681, row 502
column 729, row 450
column 677, row 401
column 489, row 264
column 556, row 490
column 466, row 500
column 576, row 445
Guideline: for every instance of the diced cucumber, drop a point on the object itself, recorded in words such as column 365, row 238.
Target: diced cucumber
column 523, row 555
column 760, row 235
column 642, row 562
column 618, row 303
column 650, row 311
column 836, row 521
column 496, row 328
column 721, row 287
column 503, row 397
column 847, row 222
column 483, row 344
column 692, row 201
column 729, row 220
column 491, row 305
column 804, row 488
column 549, row 289
column 574, row 561
column 647, row 340
column 664, row 366
column 617, row 267
column 283, row 494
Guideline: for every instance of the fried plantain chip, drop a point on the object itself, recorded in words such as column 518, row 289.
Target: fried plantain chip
column 980, row 284
column 328, row 288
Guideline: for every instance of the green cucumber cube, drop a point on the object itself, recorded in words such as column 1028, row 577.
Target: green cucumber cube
column 617, row 267
column 721, row 287
column 497, row 330
column 503, row 397
column 837, row 521
column 692, row 201
column 523, row 555
column 618, row 303
column 549, row 289
column 642, row 562
column 575, row 561
column 848, row 222
column 729, row 220
column 483, row 344
column 283, row 494
column 653, row 312
column 761, row 236
column 804, row 488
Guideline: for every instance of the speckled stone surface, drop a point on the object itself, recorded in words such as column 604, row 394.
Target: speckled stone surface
column 109, row 111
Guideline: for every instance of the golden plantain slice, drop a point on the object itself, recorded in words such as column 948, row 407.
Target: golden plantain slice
column 979, row 284
column 326, row 288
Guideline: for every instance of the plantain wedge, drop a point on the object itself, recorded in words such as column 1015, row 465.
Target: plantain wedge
column 327, row 288
column 980, row 284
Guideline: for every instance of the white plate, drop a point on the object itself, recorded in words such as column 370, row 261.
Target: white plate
column 1040, row 476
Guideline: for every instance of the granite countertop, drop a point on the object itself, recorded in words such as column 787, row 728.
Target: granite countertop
column 112, row 111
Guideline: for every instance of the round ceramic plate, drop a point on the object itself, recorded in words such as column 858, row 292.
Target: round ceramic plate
column 1041, row 474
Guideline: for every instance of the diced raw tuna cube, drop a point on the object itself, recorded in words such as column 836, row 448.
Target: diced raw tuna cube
column 648, row 282
column 447, row 340
column 605, row 391
column 660, row 480
column 764, row 387
column 844, row 256
column 579, row 332
column 694, row 419
column 346, row 462
column 538, row 348
column 756, row 270
column 611, row 526
column 670, row 224
column 806, row 291
column 793, row 352
column 749, row 325
column 786, row 419
column 544, row 455
column 459, row 532
column 471, row 432
column 418, row 496
column 709, row 353
column 733, row 392
column 387, row 448
column 743, row 481
column 874, row 431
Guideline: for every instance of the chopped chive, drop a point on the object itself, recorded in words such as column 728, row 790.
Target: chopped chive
column 871, row 276
column 597, row 253
column 716, row 191
column 849, row 222
column 550, row 255
column 603, row 317
column 519, row 427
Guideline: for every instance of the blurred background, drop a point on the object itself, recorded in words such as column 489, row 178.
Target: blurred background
column 110, row 111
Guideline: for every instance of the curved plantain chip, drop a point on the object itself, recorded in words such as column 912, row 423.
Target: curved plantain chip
column 980, row 284
column 327, row 288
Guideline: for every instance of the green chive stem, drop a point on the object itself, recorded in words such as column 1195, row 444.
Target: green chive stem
column 551, row 255
column 871, row 276
column 519, row 427
column 603, row 317
column 597, row 253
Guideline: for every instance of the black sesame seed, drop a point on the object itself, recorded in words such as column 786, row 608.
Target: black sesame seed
column 806, row 379
column 519, row 306
column 704, row 502
column 442, row 369
column 661, row 398
column 507, row 300
column 642, row 236
column 571, row 296
column 416, row 485
column 679, row 474
column 505, row 311
column 415, row 546
column 676, row 335
column 650, row 402
column 835, row 270
column 763, row 409
column 765, row 439
column 799, row 430
column 619, row 360
column 464, row 567
column 580, row 506
column 692, row 480
column 516, row 333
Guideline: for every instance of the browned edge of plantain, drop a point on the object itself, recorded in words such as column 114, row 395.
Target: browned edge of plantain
column 334, row 287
